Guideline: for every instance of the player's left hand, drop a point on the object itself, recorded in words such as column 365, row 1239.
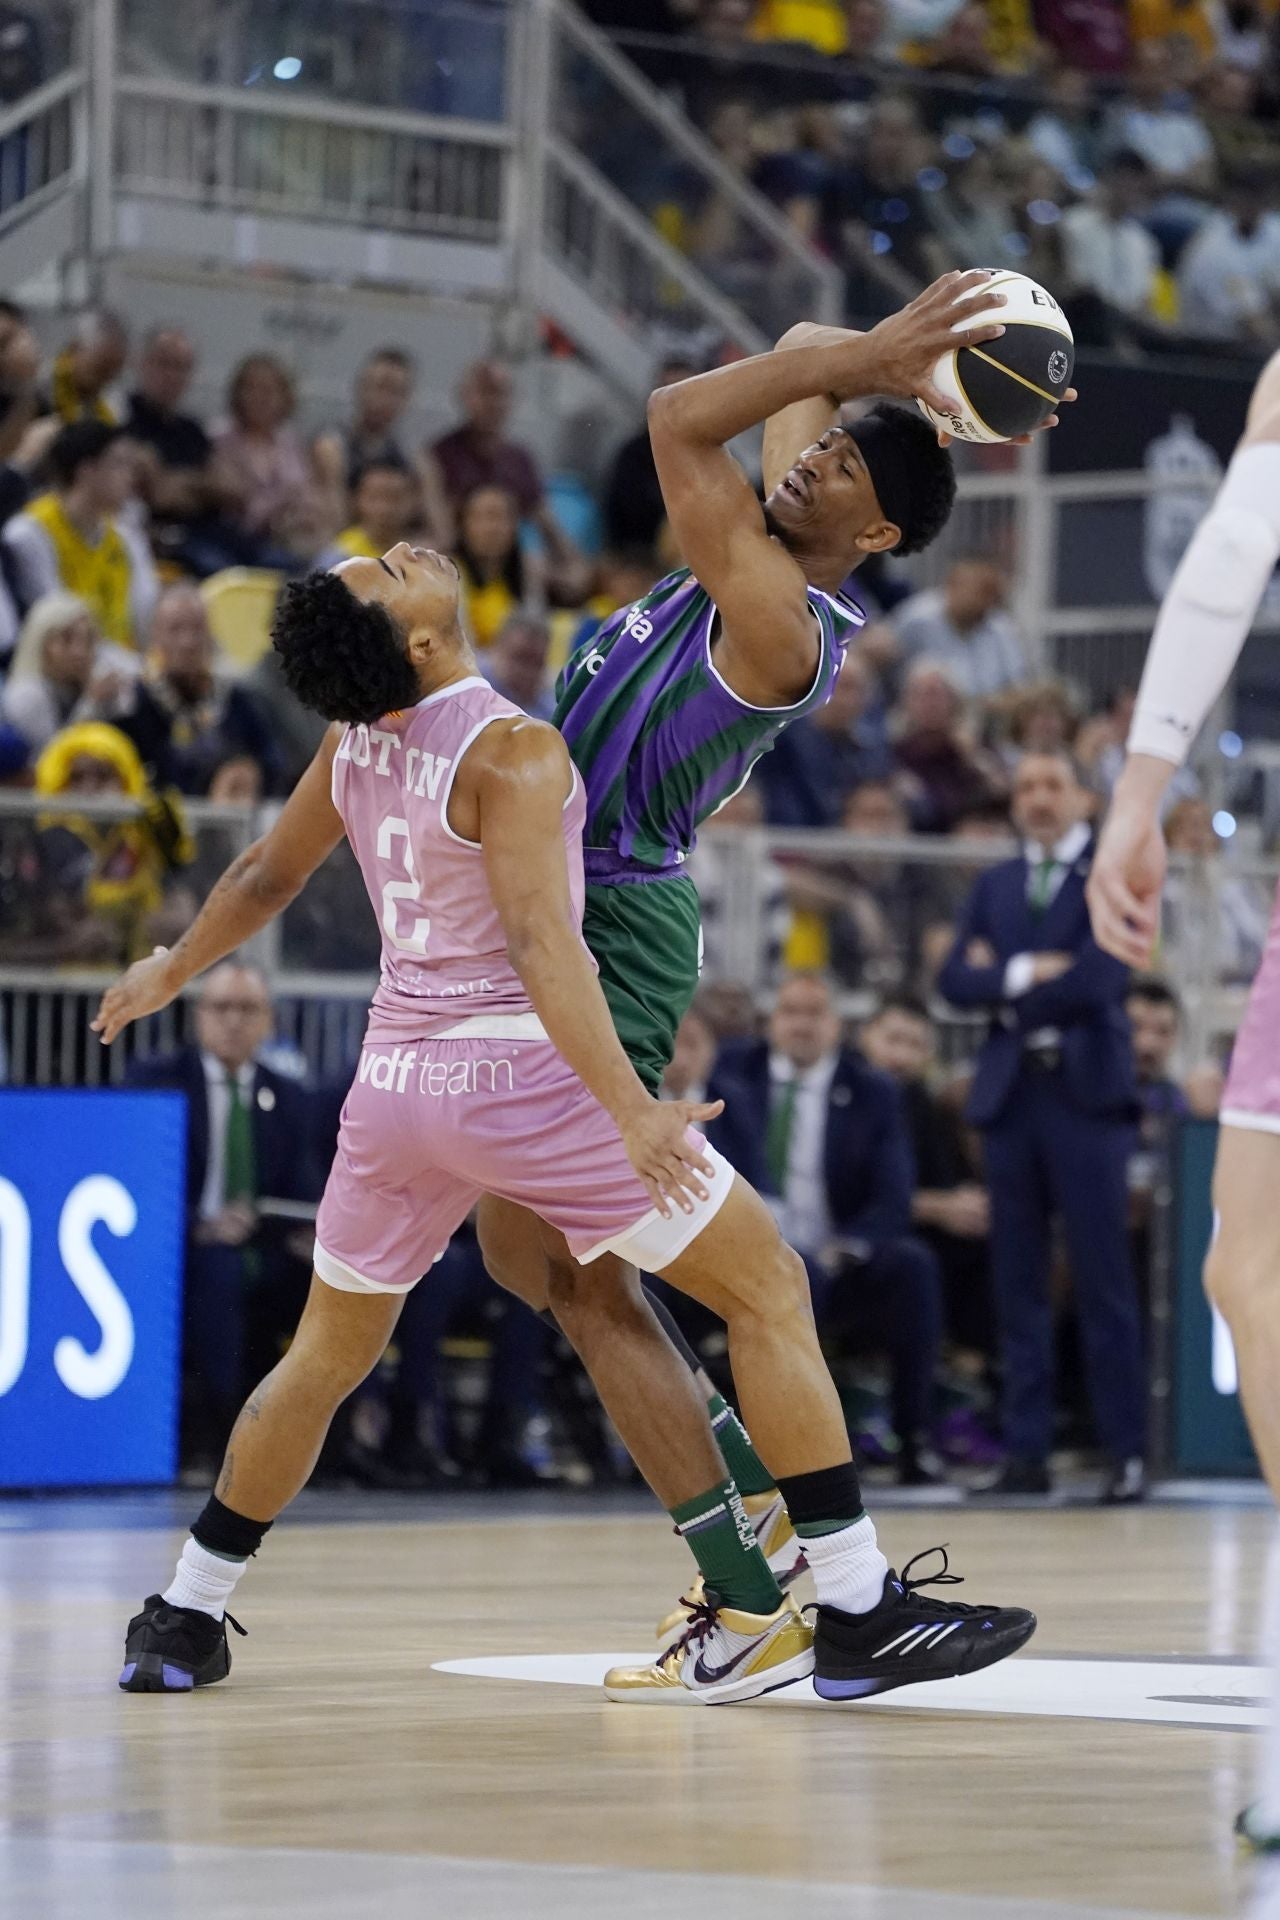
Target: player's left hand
column 145, row 988
column 664, row 1152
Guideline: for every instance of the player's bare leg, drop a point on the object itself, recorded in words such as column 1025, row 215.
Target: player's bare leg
column 179, row 1639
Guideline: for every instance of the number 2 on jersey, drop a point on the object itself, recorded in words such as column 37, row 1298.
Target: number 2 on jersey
column 394, row 891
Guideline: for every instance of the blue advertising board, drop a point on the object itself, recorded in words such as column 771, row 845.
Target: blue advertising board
column 92, row 1190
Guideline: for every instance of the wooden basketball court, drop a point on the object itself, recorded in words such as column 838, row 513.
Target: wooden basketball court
column 340, row 1772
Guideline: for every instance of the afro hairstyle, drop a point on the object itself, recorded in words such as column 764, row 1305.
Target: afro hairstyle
column 345, row 658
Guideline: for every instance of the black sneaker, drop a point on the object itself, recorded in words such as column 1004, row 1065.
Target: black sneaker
column 172, row 1649
column 906, row 1639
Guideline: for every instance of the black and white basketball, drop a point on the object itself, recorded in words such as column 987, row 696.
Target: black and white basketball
column 1009, row 385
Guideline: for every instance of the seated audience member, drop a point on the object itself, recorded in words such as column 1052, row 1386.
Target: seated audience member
column 962, row 626
column 76, row 536
column 947, row 776
column 178, row 479
column 822, row 1133
column 1042, row 718
column 1063, row 133
column 634, row 509
column 250, row 1140
column 950, row 1206
column 1111, row 260
column 711, row 867
column 1156, row 122
column 86, row 368
column 478, row 454
column 62, row 672
column 1213, row 924
column 729, row 1009
column 184, row 720
column 375, row 436
column 1155, row 1017
column 498, row 576
column 516, row 665
column 818, row 762
column 385, row 511
column 1229, row 275
column 876, row 197
column 103, row 882
column 259, row 459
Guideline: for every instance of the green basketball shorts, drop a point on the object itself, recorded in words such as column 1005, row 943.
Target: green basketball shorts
column 646, row 936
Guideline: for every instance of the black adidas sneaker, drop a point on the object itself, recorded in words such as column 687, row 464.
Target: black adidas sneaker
column 172, row 1649
column 907, row 1639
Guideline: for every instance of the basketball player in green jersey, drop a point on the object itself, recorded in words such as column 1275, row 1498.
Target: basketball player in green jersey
column 665, row 711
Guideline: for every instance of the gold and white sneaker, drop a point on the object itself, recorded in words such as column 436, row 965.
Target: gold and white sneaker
column 721, row 1655
column 778, row 1542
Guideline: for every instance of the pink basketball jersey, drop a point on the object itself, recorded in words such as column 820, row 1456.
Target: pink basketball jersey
column 444, row 954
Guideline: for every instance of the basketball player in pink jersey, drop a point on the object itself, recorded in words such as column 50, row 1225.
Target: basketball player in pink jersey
column 491, row 1065
column 1206, row 616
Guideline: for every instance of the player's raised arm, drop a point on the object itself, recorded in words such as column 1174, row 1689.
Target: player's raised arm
column 257, row 885
column 1201, row 628
column 520, row 777
column 759, row 587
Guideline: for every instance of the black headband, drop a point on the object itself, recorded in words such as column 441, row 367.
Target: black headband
column 889, row 461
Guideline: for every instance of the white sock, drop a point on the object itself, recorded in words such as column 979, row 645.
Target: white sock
column 848, row 1567
column 1267, row 1780
column 203, row 1580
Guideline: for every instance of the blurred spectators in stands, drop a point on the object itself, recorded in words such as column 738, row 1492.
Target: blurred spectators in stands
column 250, row 1142
column 1099, row 748
column 633, row 505
column 818, row 761
column 79, row 537
column 260, row 461
column 515, row 665
column 711, row 865
column 1063, row 132
column 823, row 1135
column 22, row 53
column 498, row 576
column 1154, row 120
column 1244, row 138
column 20, row 447
column 1229, row 275
column 693, row 1058
column 185, row 721
column 729, row 1008
column 820, row 24
column 87, row 367
column 477, row 454
column 1090, row 34
column 375, row 435
column 950, row 1204
column 1214, row 924
column 1155, row 1017
column 948, row 776
column 63, row 672
column 963, row 627
column 102, row 883
column 1111, row 259
column 385, row 510
column 875, row 215
column 177, row 476
column 973, row 219
column 1042, row 717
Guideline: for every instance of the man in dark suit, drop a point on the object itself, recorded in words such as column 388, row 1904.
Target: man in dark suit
column 822, row 1133
column 249, row 1143
column 1055, row 1097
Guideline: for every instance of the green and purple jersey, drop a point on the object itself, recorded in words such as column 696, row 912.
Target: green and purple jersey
column 658, row 736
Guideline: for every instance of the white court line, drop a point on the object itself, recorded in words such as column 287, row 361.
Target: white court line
column 69, row 1879
column 1171, row 1693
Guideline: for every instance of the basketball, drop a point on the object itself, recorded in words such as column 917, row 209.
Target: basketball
column 1010, row 385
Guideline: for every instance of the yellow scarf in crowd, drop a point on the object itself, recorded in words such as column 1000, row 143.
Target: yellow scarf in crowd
column 100, row 574
column 130, row 857
column 68, row 402
column 355, row 541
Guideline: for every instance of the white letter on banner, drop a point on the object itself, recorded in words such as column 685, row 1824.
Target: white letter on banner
column 92, row 1375
column 15, row 1283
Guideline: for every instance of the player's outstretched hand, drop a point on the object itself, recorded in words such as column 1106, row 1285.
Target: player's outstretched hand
column 908, row 345
column 1126, row 882
column 145, row 988
column 665, row 1153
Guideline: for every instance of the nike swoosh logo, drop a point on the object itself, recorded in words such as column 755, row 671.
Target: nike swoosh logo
column 707, row 1676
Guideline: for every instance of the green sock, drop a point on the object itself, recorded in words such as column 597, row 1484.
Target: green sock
column 749, row 1471
column 718, row 1534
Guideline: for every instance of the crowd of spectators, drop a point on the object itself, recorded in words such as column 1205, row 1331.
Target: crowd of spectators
column 1124, row 152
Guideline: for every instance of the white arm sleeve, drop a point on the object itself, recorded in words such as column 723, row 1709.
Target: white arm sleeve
column 1210, row 605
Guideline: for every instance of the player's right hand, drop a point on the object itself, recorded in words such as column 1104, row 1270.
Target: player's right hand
column 665, row 1152
column 906, row 347
column 1126, row 882
column 145, row 988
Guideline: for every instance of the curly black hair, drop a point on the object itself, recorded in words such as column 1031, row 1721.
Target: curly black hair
column 914, row 478
column 346, row 659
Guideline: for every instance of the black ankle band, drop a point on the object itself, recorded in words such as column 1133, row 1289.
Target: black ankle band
column 832, row 1493
column 219, row 1530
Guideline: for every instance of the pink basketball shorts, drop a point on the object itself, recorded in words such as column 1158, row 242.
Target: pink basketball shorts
column 1252, row 1094
column 430, row 1125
